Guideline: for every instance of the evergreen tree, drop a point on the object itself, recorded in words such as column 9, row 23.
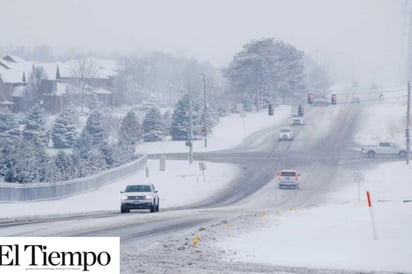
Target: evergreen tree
column 108, row 155
column 130, row 132
column 88, row 155
column 9, row 127
column 180, row 119
column 64, row 166
column 35, row 126
column 153, row 128
column 123, row 153
column 27, row 162
column 94, row 127
column 64, row 131
column 266, row 69
column 83, row 145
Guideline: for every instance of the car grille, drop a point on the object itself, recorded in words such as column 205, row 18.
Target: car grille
column 136, row 197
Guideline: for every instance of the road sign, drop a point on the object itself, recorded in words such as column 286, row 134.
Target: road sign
column 358, row 177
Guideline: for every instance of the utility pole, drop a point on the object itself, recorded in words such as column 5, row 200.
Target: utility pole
column 407, row 132
column 204, row 110
column 190, row 137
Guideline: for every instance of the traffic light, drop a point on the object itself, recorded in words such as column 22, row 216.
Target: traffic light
column 310, row 98
column 333, row 99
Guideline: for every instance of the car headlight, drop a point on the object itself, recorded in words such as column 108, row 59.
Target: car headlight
column 124, row 197
column 148, row 197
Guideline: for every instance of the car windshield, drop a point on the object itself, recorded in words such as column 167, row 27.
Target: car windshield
column 285, row 130
column 288, row 173
column 138, row 188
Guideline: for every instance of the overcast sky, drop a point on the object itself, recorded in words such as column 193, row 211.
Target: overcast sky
column 212, row 30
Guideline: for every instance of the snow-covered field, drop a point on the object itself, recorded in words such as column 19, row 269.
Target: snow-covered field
column 180, row 184
column 229, row 133
column 339, row 233
column 179, row 180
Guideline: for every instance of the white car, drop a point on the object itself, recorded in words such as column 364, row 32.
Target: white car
column 288, row 178
column 142, row 196
column 320, row 101
column 285, row 134
column 384, row 149
column 297, row 121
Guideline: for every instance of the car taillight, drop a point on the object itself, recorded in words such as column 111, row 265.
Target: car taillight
column 279, row 176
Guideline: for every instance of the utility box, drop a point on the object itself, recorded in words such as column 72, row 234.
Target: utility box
column 162, row 163
column 270, row 110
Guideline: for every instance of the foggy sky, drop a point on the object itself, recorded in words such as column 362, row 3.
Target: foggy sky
column 369, row 32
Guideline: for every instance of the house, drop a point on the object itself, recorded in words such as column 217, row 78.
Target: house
column 60, row 88
column 6, row 102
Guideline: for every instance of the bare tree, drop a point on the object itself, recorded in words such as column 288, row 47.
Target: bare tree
column 83, row 70
column 34, row 92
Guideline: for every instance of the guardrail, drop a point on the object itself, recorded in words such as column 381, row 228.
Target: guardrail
column 13, row 192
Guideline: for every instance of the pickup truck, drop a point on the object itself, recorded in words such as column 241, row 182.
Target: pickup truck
column 383, row 148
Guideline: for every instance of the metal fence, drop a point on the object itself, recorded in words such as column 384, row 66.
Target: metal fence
column 13, row 192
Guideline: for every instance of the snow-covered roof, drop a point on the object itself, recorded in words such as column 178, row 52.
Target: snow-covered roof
column 12, row 59
column 19, row 91
column 101, row 91
column 13, row 67
column 6, row 103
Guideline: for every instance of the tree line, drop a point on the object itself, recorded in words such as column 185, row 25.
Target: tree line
column 264, row 71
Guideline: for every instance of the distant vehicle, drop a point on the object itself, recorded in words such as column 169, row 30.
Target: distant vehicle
column 383, row 148
column 288, row 178
column 355, row 100
column 297, row 121
column 297, row 111
column 320, row 101
column 139, row 197
column 285, row 134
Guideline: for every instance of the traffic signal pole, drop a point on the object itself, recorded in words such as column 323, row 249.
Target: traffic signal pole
column 190, row 129
column 408, row 108
column 204, row 110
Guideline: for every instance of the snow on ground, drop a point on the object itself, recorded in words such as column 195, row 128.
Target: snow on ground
column 180, row 184
column 338, row 234
column 334, row 235
column 179, row 180
column 384, row 121
column 229, row 133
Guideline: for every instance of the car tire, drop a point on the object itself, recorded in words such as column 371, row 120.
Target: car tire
column 371, row 154
column 157, row 206
column 153, row 208
column 402, row 153
column 124, row 210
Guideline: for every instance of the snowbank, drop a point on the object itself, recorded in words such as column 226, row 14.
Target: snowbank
column 229, row 133
column 181, row 184
column 339, row 234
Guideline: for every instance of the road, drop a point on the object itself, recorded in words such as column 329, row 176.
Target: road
column 320, row 155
